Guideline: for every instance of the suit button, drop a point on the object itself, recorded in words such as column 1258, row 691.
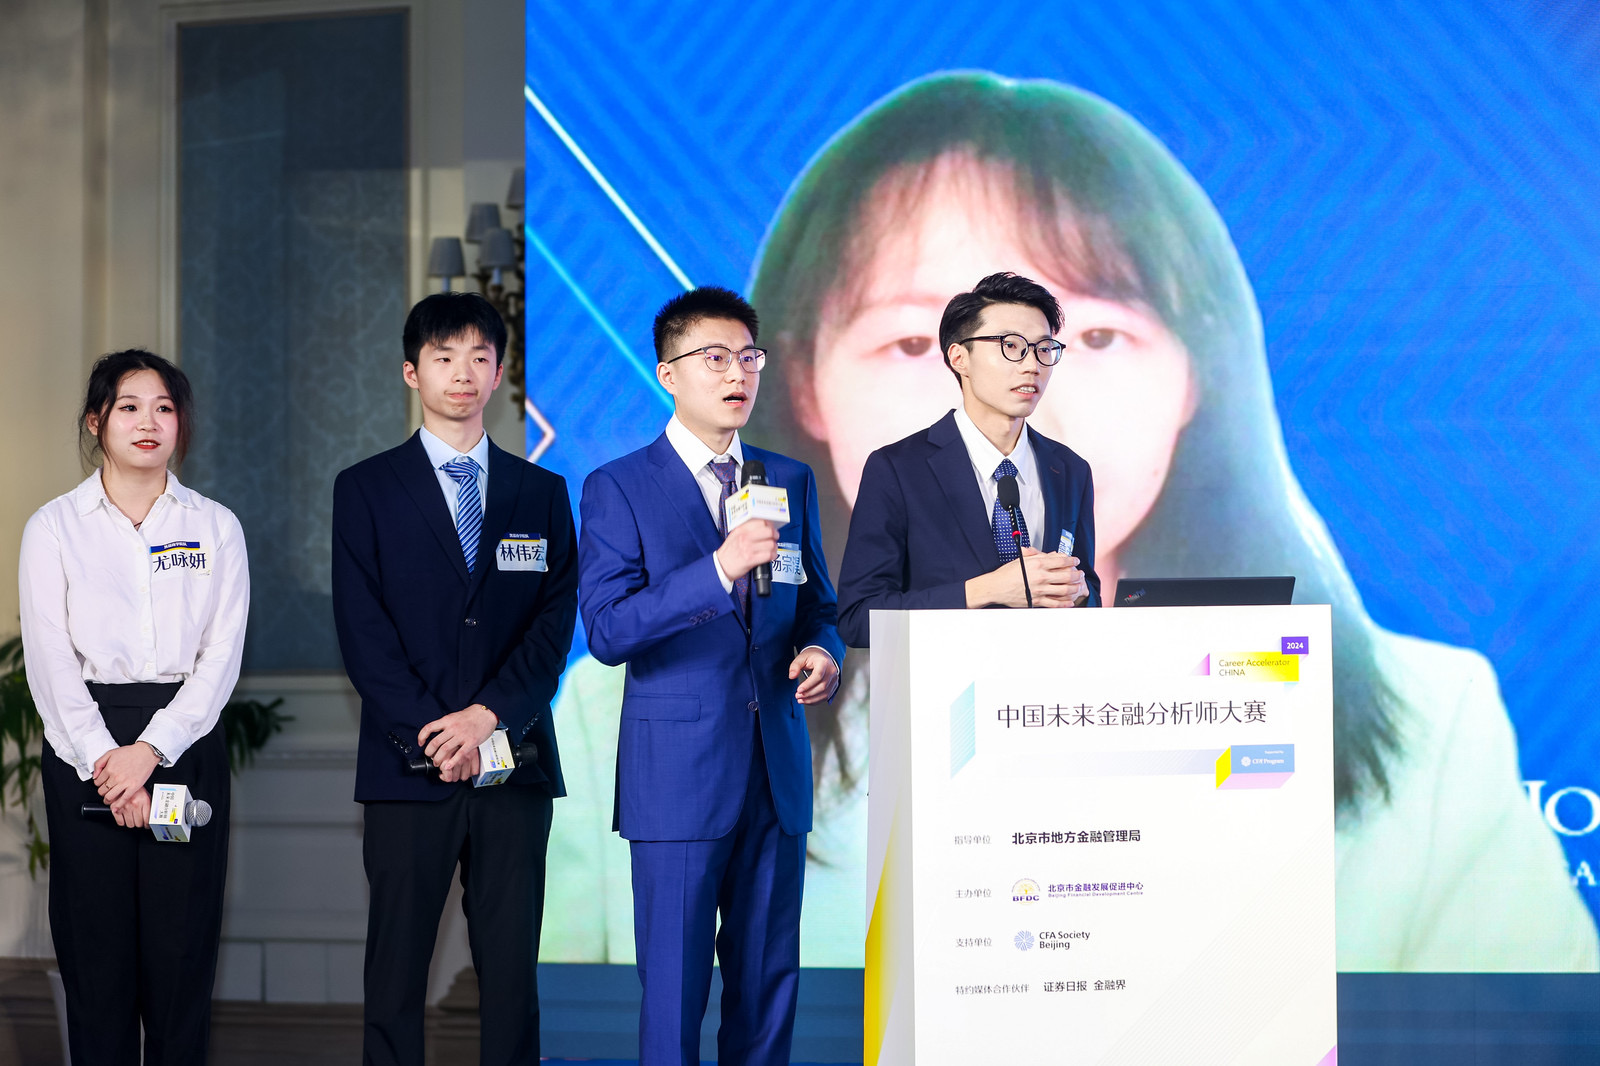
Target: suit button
column 754, row 706
column 472, row 621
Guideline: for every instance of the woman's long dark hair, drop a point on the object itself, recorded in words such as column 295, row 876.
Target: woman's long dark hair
column 1117, row 217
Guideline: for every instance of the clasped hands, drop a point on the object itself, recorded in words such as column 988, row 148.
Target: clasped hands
column 119, row 775
column 452, row 741
column 1053, row 578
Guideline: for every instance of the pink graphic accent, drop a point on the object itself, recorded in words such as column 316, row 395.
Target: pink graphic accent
column 1204, row 669
column 1255, row 781
column 1331, row 1058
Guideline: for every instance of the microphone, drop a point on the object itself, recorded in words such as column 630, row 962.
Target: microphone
column 755, row 473
column 413, row 760
column 195, row 812
column 1010, row 498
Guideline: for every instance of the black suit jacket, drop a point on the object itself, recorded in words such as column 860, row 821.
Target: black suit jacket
column 919, row 530
column 422, row 637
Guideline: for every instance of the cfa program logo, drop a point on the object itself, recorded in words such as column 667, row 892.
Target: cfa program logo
column 1025, row 891
column 1023, row 940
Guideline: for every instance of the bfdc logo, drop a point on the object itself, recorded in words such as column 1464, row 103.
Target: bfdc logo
column 1023, row 940
column 1025, row 891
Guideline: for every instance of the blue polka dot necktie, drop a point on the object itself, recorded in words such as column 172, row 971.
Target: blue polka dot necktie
column 469, row 505
column 1001, row 519
column 727, row 472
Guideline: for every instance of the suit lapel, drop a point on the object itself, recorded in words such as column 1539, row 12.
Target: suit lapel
column 682, row 493
column 422, row 484
column 1053, row 481
column 952, row 469
column 505, row 482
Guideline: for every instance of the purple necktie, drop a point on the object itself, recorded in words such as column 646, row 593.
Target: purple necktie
column 727, row 472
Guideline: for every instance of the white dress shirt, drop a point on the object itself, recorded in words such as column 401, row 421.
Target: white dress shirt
column 440, row 453
column 698, row 457
column 985, row 457
column 105, row 602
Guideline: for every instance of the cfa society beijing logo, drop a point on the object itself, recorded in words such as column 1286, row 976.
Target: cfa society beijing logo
column 1025, row 891
column 1023, row 940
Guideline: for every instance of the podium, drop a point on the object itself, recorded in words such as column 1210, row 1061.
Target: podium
column 1101, row 836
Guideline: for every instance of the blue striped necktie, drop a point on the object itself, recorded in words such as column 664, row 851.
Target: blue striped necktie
column 469, row 505
column 1001, row 519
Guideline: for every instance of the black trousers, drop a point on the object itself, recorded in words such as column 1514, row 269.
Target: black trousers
column 136, row 921
column 497, row 835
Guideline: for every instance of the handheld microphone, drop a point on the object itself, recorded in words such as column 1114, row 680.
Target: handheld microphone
column 1010, row 498
column 195, row 812
column 755, row 473
column 414, row 761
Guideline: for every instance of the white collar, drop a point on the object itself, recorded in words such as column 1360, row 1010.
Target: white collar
column 694, row 452
column 985, row 456
column 91, row 493
column 440, row 453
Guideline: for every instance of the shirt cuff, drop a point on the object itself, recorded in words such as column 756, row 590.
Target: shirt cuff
column 90, row 751
column 166, row 738
column 727, row 582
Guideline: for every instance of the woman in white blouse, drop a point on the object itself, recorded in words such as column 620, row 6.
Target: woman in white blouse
column 134, row 595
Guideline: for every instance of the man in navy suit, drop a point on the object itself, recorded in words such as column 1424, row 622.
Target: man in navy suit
column 455, row 595
column 713, row 757
column 928, row 529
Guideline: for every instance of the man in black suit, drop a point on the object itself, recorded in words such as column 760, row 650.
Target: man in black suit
column 929, row 529
column 455, row 595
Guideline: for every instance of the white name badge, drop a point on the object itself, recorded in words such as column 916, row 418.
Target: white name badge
column 189, row 556
column 521, row 551
column 787, row 568
column 1065, row 545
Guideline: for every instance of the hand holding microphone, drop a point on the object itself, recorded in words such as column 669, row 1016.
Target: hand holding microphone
column 754, row 514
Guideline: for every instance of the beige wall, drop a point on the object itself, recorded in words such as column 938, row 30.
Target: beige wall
column 50, row 243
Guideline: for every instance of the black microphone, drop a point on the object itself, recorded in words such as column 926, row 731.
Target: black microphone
column 755, row 473
column 415, row 761
column 196, row 812
column 1010, row 498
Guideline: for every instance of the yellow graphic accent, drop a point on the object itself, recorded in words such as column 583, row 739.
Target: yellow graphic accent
column 1256, row 665
column 881, row 971
column 1224, row 766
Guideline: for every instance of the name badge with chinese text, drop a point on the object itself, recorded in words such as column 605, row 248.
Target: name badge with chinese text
column 185, row 555
column 787, row 568
column 1066, row 543
column 521, row 551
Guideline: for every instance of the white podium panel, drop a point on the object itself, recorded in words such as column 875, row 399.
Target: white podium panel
column 1101, row 837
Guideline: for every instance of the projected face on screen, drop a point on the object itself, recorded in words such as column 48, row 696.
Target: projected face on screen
column 1120, row 396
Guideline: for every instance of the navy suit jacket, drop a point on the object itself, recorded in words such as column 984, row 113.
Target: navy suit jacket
column 421, row 637
column 651, row 598
column 919, row 530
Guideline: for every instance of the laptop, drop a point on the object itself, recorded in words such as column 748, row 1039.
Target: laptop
column 1203, row 591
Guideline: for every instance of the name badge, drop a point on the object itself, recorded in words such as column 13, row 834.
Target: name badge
column 521, row 551
column 787, row 568
column 1065, row 545
column 180, row 555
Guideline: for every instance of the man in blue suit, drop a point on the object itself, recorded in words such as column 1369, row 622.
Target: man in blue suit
column 455, row 596
column 929, row 529
column 713, row 757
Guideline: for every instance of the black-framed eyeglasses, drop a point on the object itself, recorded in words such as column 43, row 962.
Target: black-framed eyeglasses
column 719, row 357
column 1015, row 347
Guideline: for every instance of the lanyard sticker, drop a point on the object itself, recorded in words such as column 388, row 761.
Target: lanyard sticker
column 786, row 568
column 180, row 555
column 521, row 551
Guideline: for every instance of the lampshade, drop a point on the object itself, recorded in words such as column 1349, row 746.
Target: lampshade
column 514, row 194
column 482, row 219
column 496, row 250
column 445, row 259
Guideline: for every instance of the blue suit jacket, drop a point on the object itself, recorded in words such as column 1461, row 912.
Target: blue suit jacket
column 422, row 637
column 919, row 530
column 651, row 598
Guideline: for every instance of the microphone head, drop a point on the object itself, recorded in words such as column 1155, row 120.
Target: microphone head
column 754, row 472
column 1006, row 489
column 199, row 812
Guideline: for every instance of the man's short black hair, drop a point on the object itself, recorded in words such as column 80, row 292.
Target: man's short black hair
column 680, row 313
column 444, row 316
column 962, row 313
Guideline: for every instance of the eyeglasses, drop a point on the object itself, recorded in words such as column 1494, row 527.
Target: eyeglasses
column 1015, row 347
column 719, row 357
